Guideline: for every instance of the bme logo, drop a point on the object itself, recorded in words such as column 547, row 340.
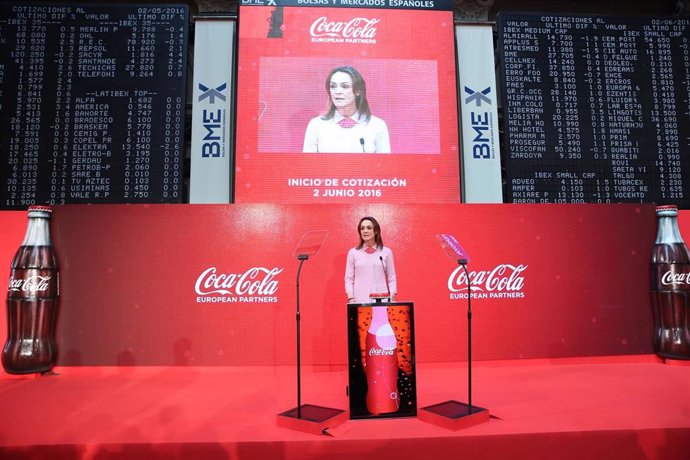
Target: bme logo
column 480, row 121
column 213, row 120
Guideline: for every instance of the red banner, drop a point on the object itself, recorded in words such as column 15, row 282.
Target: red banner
column 215, row 284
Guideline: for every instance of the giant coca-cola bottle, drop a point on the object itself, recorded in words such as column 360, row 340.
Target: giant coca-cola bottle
column 670, row 287
column 381, row 365
column 32, row 300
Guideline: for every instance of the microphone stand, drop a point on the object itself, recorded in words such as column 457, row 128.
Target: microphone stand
column 309, row 418
column 451, row 414
column 385, row 277
column 463, row 264
column 301, row 258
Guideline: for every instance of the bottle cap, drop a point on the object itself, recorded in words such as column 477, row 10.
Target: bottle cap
column 667, row 210
column 39, row 211
column 40, row 208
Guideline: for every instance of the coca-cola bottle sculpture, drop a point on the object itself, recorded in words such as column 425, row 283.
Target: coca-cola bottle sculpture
column 670, row 287
column 32, row 300
column 381, row 365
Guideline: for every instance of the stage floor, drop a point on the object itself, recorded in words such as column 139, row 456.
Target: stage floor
column 629, row 407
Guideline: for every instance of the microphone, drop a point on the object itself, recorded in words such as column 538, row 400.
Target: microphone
column 385, row 275
column 361, row 141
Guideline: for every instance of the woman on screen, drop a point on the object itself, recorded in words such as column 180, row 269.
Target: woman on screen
column 370, row 269
column 348, row 126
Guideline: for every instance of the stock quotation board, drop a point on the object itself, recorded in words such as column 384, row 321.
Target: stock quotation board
column 596, row 109
column 93, row 103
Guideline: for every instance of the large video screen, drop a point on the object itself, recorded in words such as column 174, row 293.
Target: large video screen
column 346, row 105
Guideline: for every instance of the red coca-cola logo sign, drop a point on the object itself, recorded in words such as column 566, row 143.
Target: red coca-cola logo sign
column 30, row 285
column 354, row 28
column 504, row 280
column 254, row 284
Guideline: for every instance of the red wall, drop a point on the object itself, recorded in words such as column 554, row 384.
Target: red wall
column 579, row 287
column 684, row 222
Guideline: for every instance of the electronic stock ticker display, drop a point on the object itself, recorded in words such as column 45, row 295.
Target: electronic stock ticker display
column 93, row 103
column 596, row 109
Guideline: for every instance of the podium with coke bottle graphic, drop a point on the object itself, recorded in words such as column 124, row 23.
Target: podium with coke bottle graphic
column 381, row 359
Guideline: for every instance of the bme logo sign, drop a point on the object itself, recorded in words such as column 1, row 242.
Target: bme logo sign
column 480, row 121
column 213, row 120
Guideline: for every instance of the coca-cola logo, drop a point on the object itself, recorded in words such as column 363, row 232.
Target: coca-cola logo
column 381, row 351
column 354, row 28
column 31, row 284
column 672, row 278
column 256, row 281
column 503, row 281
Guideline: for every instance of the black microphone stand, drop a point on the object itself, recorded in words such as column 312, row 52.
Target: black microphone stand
column 301, row 258
column 308, row 417
column 385, row 277
column 451, row 414
column 463, row 264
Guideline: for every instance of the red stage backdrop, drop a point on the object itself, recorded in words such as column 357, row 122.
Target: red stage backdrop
column 215, row 284
column 407, row 59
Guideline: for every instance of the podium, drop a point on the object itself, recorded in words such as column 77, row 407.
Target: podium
column 382, row 380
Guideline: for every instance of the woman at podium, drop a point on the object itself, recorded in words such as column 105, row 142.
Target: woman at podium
column 370, row 269
column 370, row 275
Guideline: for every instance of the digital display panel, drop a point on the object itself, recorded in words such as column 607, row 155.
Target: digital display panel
column 595, row 108
column 93, row 103
column 342, row 104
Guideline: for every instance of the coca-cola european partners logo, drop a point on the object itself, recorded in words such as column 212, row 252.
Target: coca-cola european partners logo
column 255, row 285
column 31, row 284
column 356, row 30
column 505, row 281
column 673, row 278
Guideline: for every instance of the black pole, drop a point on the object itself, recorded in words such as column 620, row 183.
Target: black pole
column 463, row 263
column 301, row 258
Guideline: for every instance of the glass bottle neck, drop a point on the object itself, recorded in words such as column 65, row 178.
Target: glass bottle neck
column 668, row 232
column 37, row 232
